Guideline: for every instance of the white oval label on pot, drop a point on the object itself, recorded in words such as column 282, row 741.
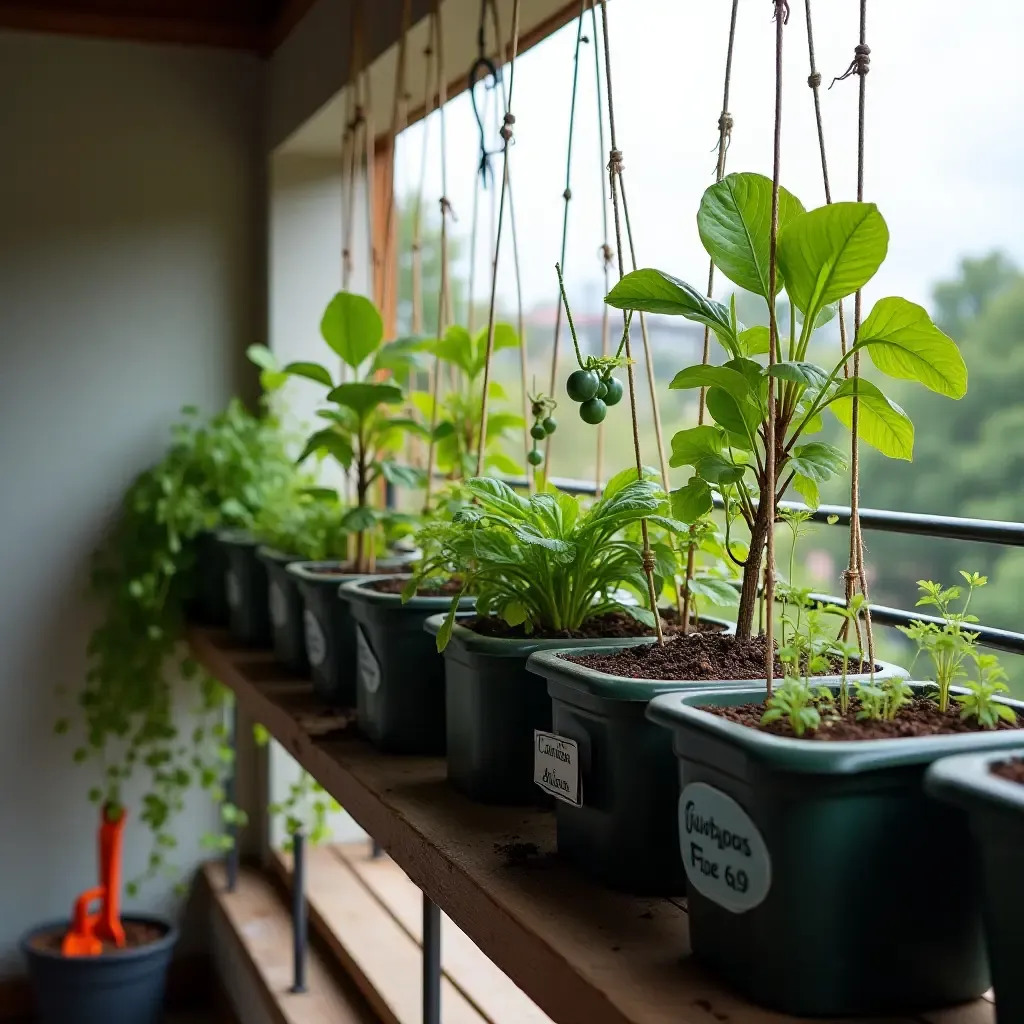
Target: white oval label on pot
column 556, row 766
column 366, row 663
column 234, row 590
column 278, row 605
column 724, row 854
column 316, row 642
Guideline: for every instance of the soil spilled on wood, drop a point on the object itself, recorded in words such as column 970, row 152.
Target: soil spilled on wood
column 610, row 626
column 1012, row 771
column 921, row 717
column 136, row 933
column 695, row 656
column 518, row 854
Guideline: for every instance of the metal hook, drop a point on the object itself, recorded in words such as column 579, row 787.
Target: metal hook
column 483, row 69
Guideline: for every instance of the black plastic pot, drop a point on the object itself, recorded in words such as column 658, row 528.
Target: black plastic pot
column 996, row 810
column 208, row 603
column 329, row 628
column 829, row 850
column 399, row 674
column 624, row 832
column 247, row 589
column 492, row 707
column 126, row 987
column 284, row 603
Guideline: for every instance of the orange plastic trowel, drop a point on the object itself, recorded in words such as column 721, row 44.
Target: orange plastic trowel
column 88, row 931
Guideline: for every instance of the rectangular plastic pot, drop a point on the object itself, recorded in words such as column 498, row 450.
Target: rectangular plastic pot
column 284, row 602
column 625, row 832
column 399, row 674
column 247, row 590
column 208, row 604
column 995, row 808
column 823, row 881
column 492, row 707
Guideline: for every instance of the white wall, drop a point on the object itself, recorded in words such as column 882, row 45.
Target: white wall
column 131, row 280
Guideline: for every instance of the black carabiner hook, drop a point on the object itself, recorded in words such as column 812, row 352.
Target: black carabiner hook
column 483, row 69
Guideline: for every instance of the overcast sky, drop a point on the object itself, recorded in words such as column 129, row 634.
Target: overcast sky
column 945, row 133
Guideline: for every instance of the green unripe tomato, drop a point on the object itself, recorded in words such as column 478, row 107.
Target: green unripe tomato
column 602, row 390
column 534, row 457
column 582, row 385
column 550, row 425
column 537, row 432
column 593, row 411
column 614, row 395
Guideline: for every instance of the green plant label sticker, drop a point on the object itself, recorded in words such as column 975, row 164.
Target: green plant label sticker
column 723, row 851
column 556, row 766
column 366, row 663
column 278, row 605
column 234, row 590
column 316, row 642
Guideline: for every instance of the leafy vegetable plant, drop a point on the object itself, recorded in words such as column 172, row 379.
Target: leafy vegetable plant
column 545, row 563
column 824, row 255
column 979, row 702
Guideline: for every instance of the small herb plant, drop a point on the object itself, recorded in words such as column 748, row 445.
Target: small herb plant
column 361, row 436
column 457, row 432
column 979, row 702
column 823, row 256
column 545, row 563
column 305, row 523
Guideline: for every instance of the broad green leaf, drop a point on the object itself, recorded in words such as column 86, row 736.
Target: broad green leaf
column 713, row 589
column 271, row 380
column 754, row 341
column 497, row 496
column 364, row 398
column 830, row 252
column 818, row 461
column 262, row 357
column 734, row 221
column 689, row 446
column 740, row 419
column 401, row 357
column 807, row 374
column 503, row 463
column 352, row 327
column 903, row 342
column 881, row 422
column 402, row 476
column 499, row 423
column 456, row 347
column 624, row 478
column 357, row 519
column 653, row 291
column 706, row 376
column 504, row 337
column 330, row 441
column 719, row 470
column 808, row 490
column 692, row 501
column 444, row 429
column 312, row 371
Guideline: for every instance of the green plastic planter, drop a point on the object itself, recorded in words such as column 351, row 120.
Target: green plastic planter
column 329, row 628
column 399, row 675
column 823, row 881
column 492, row 707
column 284, row 602
column 247, row 589
column 624, row 833
column 995, row 807
column 208, row 602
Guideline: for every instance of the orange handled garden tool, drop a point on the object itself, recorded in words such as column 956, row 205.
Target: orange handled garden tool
column 87, row 932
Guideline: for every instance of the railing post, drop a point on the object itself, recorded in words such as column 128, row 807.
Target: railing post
column 231, row 793
column 431, row 962
column 299, row 925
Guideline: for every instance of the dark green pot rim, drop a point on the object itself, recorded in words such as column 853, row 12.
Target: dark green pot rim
column 359, row 592
column 272, row 556
column 966, row 780
column 237, row 538
column 553, row 666
column 307, row 571
column 784, row 753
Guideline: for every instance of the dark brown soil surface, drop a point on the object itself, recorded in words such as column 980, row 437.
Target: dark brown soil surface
column 611, row 626
column 694, row 656
column 1012, row 771
column 136, row 933
column 348, row 570
column 921, row 717
column 395, row 586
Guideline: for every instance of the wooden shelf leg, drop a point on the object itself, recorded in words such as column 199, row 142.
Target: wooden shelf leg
column 431, row 962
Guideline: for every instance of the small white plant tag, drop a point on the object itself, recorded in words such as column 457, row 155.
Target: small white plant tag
column 556, row 766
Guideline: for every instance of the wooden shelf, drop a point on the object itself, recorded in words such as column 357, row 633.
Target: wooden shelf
column 584, row 954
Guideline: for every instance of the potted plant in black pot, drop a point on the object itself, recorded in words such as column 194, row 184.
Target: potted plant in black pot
column 544, row 570
column 832, row 775
column 363, row 437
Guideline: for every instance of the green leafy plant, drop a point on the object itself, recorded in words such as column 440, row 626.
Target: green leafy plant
column 980, row 701
column 881, row 700
column 457, row 431
column 306, row 522
column 823, row 256
column 545, row 563
column 361, row 435
column 795, row 702
column 215, row 474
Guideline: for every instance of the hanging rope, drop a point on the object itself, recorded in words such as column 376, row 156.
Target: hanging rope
column 855, row 575
column 507, row 133
column 606, row 254
column 417, row 224
column 615, row 168
column 444, row 293
column 781, row 17
column 566, row 199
